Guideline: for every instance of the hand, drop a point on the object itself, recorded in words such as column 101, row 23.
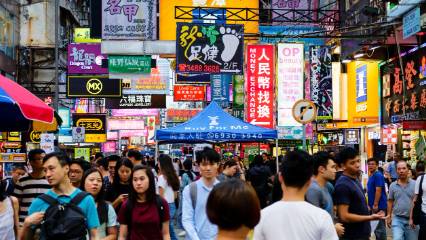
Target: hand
column 411, row 223
column 339, row 229
column 378, row 216
column 375, row 208
column 389, row 221
column 34, row 219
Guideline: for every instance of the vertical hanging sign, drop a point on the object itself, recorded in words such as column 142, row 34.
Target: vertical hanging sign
column 220, row 89
column 260, row 85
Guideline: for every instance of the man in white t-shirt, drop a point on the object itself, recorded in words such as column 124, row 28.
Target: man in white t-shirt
column 292, row 218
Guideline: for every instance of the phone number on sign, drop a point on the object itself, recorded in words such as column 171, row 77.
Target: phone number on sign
column 199, row 68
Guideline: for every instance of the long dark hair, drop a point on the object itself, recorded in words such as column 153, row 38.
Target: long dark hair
column 122, row 162
column 100, row 198
column 169, row 172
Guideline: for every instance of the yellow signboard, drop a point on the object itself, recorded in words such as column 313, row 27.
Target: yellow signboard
column 95, row 138
column 186, row 10
column 82, row 35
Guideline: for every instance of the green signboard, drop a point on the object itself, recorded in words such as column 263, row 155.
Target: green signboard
column 129, row 64
column 238, row 84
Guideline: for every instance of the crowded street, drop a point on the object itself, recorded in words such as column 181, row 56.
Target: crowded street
column 212, row 119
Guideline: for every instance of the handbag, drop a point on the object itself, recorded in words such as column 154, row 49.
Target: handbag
column 417, row 209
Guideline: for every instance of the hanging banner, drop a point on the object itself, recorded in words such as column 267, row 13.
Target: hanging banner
column 260, row 89
column 290, row 81
column 130, row 101
column 219, row 88
column 129, row 19
column 180, row 115
column 94, row 126
column 93, row 87
column 321, row 82
column 85, row 58
column 189, row 93
column 129, row 64
column 209, row 48
column 238, row 91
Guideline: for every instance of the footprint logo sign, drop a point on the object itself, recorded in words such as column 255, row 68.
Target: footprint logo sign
column 231, row 41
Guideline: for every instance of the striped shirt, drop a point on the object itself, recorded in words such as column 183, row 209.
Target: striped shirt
column 26, row 189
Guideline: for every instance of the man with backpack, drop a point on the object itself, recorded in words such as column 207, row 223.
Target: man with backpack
column 194, row 215
column 64, row 212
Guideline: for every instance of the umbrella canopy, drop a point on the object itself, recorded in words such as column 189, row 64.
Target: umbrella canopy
column 18, row 107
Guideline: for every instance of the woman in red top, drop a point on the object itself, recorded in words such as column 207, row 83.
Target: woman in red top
column 144, row 216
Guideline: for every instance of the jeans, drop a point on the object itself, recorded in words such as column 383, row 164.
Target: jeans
column 422, row 232
column 179, row 212
column 401, row 230
column 380, row 230
column 172, row 209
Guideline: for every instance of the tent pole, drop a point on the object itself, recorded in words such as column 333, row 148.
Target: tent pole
column 276, row 153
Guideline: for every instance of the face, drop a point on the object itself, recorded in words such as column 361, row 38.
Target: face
column 208, row 170
column 111, row 168
column 93, row 183
column 265, row 157
column 76, row 173
column 55, row 173
column 124, row 173
column 140, row 181
column 372, row 166
column 402, row 170
column 17, row 173
column 329, row 172
column 37, row 162
column 232, row 170
column 352, row 166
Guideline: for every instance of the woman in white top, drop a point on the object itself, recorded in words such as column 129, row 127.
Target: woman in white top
column 8, row 215
column 93, row 184
column 168, row 187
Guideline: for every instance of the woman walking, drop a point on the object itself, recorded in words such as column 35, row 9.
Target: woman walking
column 8, row 215
column 120, row 188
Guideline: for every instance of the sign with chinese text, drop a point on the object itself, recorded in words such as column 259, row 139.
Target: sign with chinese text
column 180, row 115
column 411, row 23
column 93, row 86
column 290, row 81
column 129, row 64
column 94, row 126
column 361, row 84
column 209, row 48
column 260, row 89
column 130, row 101
column 134, row 112
column 219, row 88
column 78, row 134
column 131, row 19
column 189, row 93
column 351, row 136
column 109, row 146
column 394, row 108
column 184, row 78
column 321, row 82
column 82, row 35
column 85, row 58
column 290, row 133
column 389, row 135
column 47, row 142
column 13, row 136
column 238, row 92
column 82, row 153
column 118, row 124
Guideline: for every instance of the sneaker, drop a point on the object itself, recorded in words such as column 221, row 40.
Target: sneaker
column 182, row 234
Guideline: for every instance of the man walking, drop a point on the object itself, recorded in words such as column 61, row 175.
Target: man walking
column 194, row 215
column 377, row 195
column 292, row 217
column 401, row 194
column 18, row 171
column 349, row 197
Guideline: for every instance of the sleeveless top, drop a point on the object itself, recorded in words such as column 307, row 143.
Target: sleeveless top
column 6, row 219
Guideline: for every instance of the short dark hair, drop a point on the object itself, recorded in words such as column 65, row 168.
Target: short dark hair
column 99, row 155
column 208, row 155
column 19, row 166
column 228, row 214
column 34, row 152
column 297, row 168
column 187, row 164
column 103, row 162
column 373, row 160
column 346, row 154
column 113, row 158
column 420, row 166
column 134, row 153
column 82, row 163
column 321, row 160
column 61, row 156
column 229, row 163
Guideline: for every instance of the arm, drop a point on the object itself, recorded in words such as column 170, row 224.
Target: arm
column 161, row 191
column 377, row 196
column 389, row 217
column 112, row 233
column 166, row 230
column 188, row 213
column 94, row 234
column 123, row 232
column 15, row 215
column 346, row 216
column 27, row 233
column 411, row 212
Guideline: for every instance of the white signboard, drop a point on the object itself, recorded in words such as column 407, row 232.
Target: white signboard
column 47, row 142
column 290, row 81
column 78, row 134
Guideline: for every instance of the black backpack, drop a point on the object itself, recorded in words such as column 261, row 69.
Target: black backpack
column 64, row 221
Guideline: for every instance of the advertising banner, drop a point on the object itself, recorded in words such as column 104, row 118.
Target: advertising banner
column 209, row 48
column 134, row 112
column 129, row 19
column 47, row 142
column 82, row 152
column 130, row 101
column 238, row 92
column 189, row 93
column 260, row 89
column 93, row 124
column 84, row 58
column 109, row 146
column 129, row 64
column 290, row 81
column 219, row 88
column 118, row 124
column 180, row 115
column 93, row 87
column 321, row 82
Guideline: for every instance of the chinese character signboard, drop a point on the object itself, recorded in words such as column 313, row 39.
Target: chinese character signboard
column 238, row 92
column 94, row 126
column 361, row 88
column 82, row 152
column 209, row 48
column 321, row 82
column 219, row 88
column 180, row 115
column 131, row 19
column 93, row 86
column 411, row 23
column 129, row 64
column 260, row 89
column 82, row 35
column 85, row 59
column 189, row 93
column 131, row 101
column 290, row 81
column 394, row 108
column 351, row 136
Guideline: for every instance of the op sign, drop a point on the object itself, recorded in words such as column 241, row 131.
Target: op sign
column 209, row 48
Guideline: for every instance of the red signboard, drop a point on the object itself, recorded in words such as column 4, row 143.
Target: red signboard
column 260, row 85
column 189, row 93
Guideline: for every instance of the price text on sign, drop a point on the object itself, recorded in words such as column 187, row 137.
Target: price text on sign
column 304, row 111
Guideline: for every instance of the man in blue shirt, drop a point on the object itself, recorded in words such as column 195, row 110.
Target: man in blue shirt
column 194, row 215
column 56, row 167
column 377, row 195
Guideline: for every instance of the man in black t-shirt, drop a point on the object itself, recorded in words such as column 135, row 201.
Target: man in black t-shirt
column 350, row 199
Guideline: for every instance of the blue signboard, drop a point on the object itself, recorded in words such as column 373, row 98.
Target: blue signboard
column 220, row 88
column 210, row 15
column 361, row 84
column 411, row 23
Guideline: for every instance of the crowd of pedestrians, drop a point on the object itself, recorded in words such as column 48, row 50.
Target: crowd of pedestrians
column 131, row 197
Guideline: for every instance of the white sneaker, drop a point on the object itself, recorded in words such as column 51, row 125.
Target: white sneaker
column 182, row 234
